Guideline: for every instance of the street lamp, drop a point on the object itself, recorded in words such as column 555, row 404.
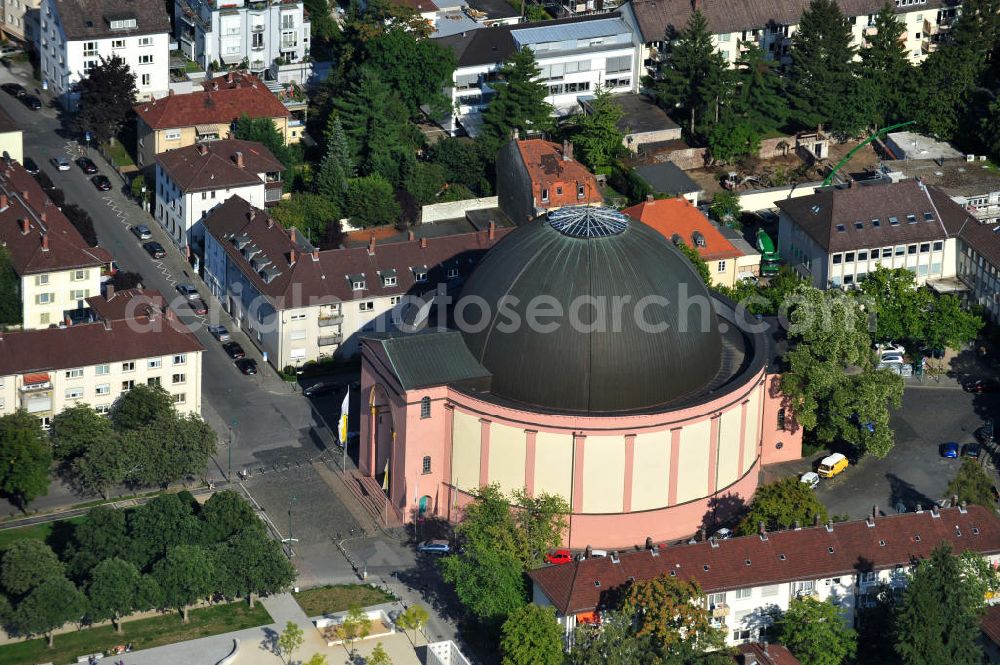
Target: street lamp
column 290, row 540
column 229, row 475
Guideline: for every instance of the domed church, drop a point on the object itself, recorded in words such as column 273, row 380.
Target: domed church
column 584, row 357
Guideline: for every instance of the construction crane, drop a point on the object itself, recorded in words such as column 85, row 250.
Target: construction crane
column 847, row 158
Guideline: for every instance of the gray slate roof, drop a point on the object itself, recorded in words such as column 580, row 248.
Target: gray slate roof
column 90, row 19
column 430, row 359
column 667, row 178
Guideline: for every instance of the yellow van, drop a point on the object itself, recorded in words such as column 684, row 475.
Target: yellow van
column 832, row 465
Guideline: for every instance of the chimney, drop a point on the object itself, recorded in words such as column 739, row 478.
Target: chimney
column 42, row 216
column 170, row 93
column 829, row 526
column 371, row 245
column 850, row 183
column 240, row 163
column 45, row 242
column 649, row 198
column 4, row 202
column 293, row 235
column 816, row 519
column 567, row 151
column 874, row 512
column 202, row 149
column 798, row 525
column 252, row 215
column 962, row 507
column 109, row 292
column 67, row 321
column 762, row 530
column 292, row 257
column 410, row 235
column 315, row 255
column 24, row 195
column 493, row 230
column 423, row 243
column 954, row 500
column 270, row 223
column 24, row 226
column 918, row 509
column 107, row 324
column 701, row 534
column 934, row 511
column 649, row 542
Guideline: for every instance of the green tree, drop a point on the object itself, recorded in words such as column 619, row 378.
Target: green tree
column 263, row 131
column 49, row 606
column 290, row 639
column 596, row 136
column 725, row 207
column 322, row 28
column 225, row 514
column 378, row 656
column 693, row 75
column 731, row 139
column 877, row 627
column 519, row 103
column 116, row 590
column 105, row 463
column 336, row 168
column 26, row 565
column 698, row 263
column 254, row 564
column 178, row 447
column 101, row 535
column 413, row 618
column 885, row 65
column 972, row 485
column 356, row 626
column 107, row 96
column 158, row 525
column 938, row 618
column 141, row 407
column 10, row 291
column 815, row 632
column 531, row 636
column 669, row 611
column 309, row 213
column 76, row 429
column 426, row 182
column 947, row 323
column 463, row 160
column 185, row 575
column 822, row 69
column 418, row 70
column 779, row 505
column 489, row 582
column 320, row 659
column 612, row 643
column 371, row 201
column 25, row 458
column 761, row 99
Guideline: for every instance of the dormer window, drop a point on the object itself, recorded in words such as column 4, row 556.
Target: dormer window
column 699, row 239
column 357, row 282
column 452, row 273
column 420, row 274
column 123, row 23
column 545, row 194
column 388, row 277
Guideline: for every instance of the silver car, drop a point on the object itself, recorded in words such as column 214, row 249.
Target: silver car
column 61, row 163
column 434, row 547
column 142, row 232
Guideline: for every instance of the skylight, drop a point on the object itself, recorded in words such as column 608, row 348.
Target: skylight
column 894, row 221
column 840, row 228
column 911, row 219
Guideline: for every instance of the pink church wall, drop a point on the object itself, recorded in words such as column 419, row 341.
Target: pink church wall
column 790, row 437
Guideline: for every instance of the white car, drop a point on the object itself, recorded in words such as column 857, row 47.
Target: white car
column 889, row 358
column 890, row 347
column 811, row 479
column 61, row 163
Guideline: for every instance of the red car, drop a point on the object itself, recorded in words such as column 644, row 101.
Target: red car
column 559, row 557
column 983, row 386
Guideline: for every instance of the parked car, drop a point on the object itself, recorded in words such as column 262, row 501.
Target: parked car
column 155, row 249
column 831, row 465
column 811, row 479
column 949, row 450
column 220, row 333
column 187, row 291
column 439, row 547
column 247, row 365
column 141, row 231
column 14, row 89
column 982, row 386
column 30, row 166
column 890, row 358
column 102, row 183
column 198, row 306
column 234, row 350
column 32, row 102
column 972, row 450
column 890, row 347
column 61, row 163
column 559, row 557
column 319, row 388
column 87, row 165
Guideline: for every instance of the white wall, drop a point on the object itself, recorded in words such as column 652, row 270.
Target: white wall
column 180, row 214
column 46, row 297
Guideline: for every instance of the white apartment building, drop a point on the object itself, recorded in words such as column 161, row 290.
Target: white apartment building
column 191, row 181
column 745, row 579
column 56, row 268
column 76, row 34
column 772, row 25
column 576, row 56
column 298, row 303
column 836, row 236
column 271, row 36
column 134, row 341
column 20, row 19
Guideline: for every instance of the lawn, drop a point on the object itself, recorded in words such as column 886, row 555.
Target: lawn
column 143, row 634
column 51, row 532
column 338, row 598
column 119, row 154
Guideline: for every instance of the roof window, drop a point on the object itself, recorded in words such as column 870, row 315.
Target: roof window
column 597, row 583
column 859, row 225
column 781, row 556
column 841, row 228
column 911, row 219
column 705, row 567
column 673, row 573
column 748, row 562
column 894, row 221
column 829, row 550
column 881, row 543
column 815, row 209
column 876, row 222
column 928, row 217
column 975, row 531
column 916, row 538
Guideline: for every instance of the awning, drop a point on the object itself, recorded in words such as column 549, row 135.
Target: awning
column 36, row 378
column 206, row 129
column 588, row 618
column 945, row 285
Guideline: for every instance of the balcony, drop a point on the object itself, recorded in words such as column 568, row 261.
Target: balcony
column 257, row 65
column 329, row 340
column 720, row 611
column 257, row 47
column 331, row 320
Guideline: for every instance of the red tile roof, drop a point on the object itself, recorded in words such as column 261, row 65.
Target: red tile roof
column 48, row 349
column 678, row 216
column 127, row 304
column 764, row 654
column 35, row 232
column 212, row 106
column 811, row 553
column 991, row 624
column 213, row 165
column 324, row 274
column 549, row 168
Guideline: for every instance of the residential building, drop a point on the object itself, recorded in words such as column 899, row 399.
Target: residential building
column 299, row 303
column 135, row 341
column 642, row 122
column 679, row 221
column 11, row 138
column 76, row 34
column 453, row 17
column 758, row 653
column 743, row 578
column 772, row 25
column 837, row 235
column 534, row 176
column 20, row 20
column 576, row 56
column 668, row 178
column 191, row 181
column 57, row 270
column 177, row 121
column 911, row 145
column 270, row 36
column 978, row 262
column 974, row 185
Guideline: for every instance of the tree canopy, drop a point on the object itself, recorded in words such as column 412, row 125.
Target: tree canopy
column 520, row 100
column 815, row 632
column 25, row 458
column 668, row 610
column 186, row 575
column 27, row 564
column 531, row 636
column 107, row 97
column 973, row 485
column 780, row 505
column 596, row 137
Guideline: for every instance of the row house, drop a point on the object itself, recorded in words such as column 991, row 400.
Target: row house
column 575, row 56
column 298, row 303
column 20, row 20
column 746, row 579
column 135, row 340
column 75, row 34
column 772, row 25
